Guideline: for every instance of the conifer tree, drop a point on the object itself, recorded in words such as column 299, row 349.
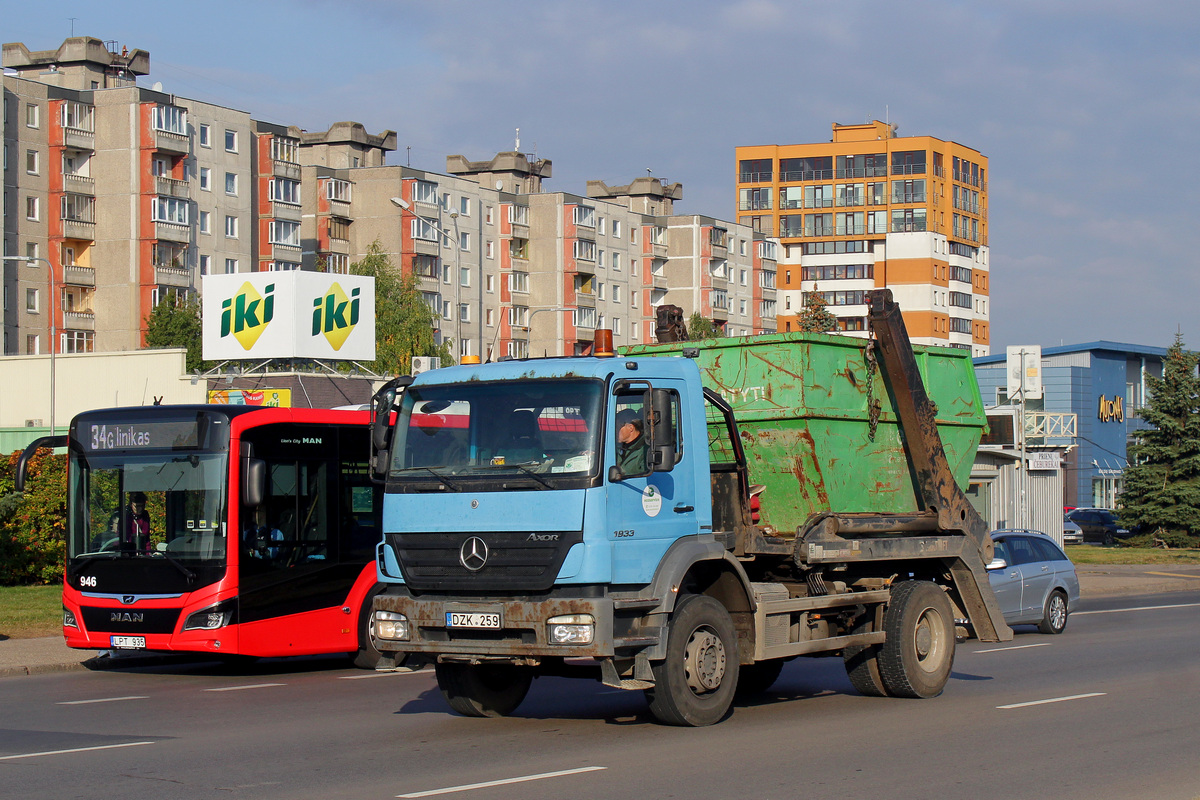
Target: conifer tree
column 175, row 322
column 1162, row 482
column 703, row 328
column 816, row 316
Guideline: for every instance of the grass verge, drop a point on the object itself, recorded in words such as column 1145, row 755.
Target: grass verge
column 27, row 612
column 1092, row 554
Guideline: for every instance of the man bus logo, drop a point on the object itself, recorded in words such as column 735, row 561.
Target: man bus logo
column 335, row 315
column 247, row 314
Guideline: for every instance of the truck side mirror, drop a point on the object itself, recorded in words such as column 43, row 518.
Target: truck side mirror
column 381, row 428
column 661, row 457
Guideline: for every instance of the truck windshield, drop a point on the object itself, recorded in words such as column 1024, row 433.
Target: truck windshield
column 165, row 506
column 538, row 434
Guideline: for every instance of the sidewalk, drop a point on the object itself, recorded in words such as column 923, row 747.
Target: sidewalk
column 34, row 656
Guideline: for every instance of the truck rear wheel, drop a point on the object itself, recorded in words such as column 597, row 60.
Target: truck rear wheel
column 862, row 664
column 483, row 690
column 917, row 656
column 695, row 683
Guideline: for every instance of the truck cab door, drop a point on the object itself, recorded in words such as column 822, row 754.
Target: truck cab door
column 649, row 511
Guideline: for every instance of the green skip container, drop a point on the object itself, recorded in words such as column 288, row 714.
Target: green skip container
column 802, row 404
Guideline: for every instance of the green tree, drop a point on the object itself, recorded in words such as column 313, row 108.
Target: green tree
column 33, row 526
column 403, row 320
column 701, row 328
column 1162, row 483
column 175, row 322
column 816, row 316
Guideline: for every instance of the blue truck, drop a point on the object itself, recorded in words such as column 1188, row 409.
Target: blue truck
column 683, row 518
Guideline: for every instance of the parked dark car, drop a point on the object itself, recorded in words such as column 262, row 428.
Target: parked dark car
column 1099, row 525
column 1034, row 581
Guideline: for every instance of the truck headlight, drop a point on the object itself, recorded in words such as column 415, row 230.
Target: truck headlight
column 571, row 629
column 391, row 625
column 207, row 620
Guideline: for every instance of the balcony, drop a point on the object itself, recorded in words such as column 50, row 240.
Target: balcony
column 74, row 275
column 79, row 320
column 908, row 169
column 285, row 211
column 169, row 187
column 171, row 142
column 754, row 177
column 179, row 277
column 754, row 205
column 79, row 184
column 585, row 299
column 79, row 139
column 425, row 247
column 172, row 232
column 79, row 229
column 287, row 252
column 520, row 230
column 285, row 169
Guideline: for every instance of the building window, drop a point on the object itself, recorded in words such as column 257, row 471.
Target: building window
column 487, row 216
column 285, row 149
column 283, row 266
column 490, row 316
column 32, row 115
column 334, row 190
column 464, row 276
column 518, row 315
column 77, row 342
column 585, row 216
column 78, row 116
column 285, row 190
column 616, row 228
column 518, row 281
column 424, row 230
column 205, row 140
column 284, row 232
column 447, row 310
column 489, row 249
column 616, row 261
column 464, row 312
column 518, row 348
column 583, row 317
column 231, row 228
column 169, row 209
column 205, row 179
column 464, row 241
column 518, row 215
column 204, row 222
column 584, row 250
column 464, row 206
column 337, row 263
column 171, row 119
column 32, row 301
column 425, row 192
column 617, row 294
column 31, row 162
column 204, row 264
column 231, row 183
column 231, row 266
column 339, row 228
column 490, row 283
column 231, row 141
column 32, row 345
column 33, row 209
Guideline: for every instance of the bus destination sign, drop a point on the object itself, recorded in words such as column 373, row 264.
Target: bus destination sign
column 138, row 435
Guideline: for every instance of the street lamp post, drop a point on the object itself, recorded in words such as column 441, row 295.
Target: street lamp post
column 53, row 323
column 400, row 202
column 529, row 321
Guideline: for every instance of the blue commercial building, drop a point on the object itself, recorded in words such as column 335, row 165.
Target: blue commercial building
column 1103, row 384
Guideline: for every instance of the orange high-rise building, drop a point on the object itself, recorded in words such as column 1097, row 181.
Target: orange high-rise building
column 870, row 209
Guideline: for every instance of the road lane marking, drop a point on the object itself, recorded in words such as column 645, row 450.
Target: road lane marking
column 1174, row 575
column 504, row 782
column 388, row 674
column 1015, row 647
column 1054, row 700
column 73, row 750
column 1139, row 608
column 100, row 700
column 247, row 686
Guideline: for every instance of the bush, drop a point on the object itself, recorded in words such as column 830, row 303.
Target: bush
column 33, row 526
column 1176, row 540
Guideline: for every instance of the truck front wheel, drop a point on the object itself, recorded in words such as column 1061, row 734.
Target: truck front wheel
column 483, row 690
column 917, row 656
column 695, row 683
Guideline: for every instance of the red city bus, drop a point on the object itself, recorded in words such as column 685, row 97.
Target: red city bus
column 228, row 530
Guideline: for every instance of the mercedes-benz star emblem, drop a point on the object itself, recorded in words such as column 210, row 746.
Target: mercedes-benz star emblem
column 473, row 554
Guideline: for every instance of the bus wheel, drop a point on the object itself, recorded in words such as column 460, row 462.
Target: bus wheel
column 483, row 690
column 917, row 656
column 695, row 683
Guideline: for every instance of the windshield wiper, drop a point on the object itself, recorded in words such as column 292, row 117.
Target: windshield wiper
column 449, row 484
column 187, row 573
column 533, row 475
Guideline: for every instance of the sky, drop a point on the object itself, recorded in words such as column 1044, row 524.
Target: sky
column 1085, row 110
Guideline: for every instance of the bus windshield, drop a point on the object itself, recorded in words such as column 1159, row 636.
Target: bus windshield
column 165, row 505
column 531, row 434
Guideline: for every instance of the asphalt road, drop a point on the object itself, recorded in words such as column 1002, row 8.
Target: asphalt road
column 1110, row 709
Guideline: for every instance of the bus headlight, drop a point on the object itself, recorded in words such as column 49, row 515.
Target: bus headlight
column 69, row 620
column 207, row 620
column 391, row 626
column 571, row 629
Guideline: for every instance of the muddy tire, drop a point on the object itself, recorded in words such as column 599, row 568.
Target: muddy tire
column 483, row 690
column 694, row 685
column 918, row 654
column 862, row 663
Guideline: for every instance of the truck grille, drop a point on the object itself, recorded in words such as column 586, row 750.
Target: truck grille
column 516, row 560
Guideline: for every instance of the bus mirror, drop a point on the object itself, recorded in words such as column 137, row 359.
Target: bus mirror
column 28, row 453
column 662, row 431
column 254, row 482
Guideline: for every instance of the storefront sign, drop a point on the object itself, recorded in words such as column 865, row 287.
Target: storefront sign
column 1049, row 461
column 1111, row 410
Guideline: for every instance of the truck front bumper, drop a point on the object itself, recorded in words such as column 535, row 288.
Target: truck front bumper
column 523, row 630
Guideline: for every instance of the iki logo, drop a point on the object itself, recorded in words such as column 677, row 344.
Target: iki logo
column 335, row 315
column 247, row 314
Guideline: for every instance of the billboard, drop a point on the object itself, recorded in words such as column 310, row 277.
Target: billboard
column 1024, row 363
column 288, row 315
column 272, row 398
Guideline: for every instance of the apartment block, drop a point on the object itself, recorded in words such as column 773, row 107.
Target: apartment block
column 871, row 209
